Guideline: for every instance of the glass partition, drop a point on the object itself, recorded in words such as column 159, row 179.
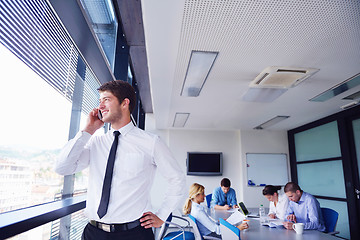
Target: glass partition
column 322, row 178
column 318, row 143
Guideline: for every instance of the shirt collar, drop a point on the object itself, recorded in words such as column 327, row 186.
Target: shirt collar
column 302, row 198
column 125, row 129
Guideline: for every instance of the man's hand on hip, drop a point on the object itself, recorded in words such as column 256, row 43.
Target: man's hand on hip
column 149, row 220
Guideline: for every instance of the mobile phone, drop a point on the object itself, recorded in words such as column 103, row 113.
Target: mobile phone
column 100, row 115
column 243, row 208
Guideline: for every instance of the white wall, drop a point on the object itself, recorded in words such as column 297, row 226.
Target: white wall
column 260, row 141
column 233, row 144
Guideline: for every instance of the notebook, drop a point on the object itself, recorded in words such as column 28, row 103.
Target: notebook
column 244, row 210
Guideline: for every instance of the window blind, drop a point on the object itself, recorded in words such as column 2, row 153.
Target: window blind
column 32, row 31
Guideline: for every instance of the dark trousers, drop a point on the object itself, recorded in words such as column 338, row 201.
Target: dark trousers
column 138, row 233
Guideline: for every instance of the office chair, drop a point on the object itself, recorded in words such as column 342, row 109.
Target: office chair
column 197, row 233
column 229, row 231
column 330, row 217
column 208, row 199
column 180, row 234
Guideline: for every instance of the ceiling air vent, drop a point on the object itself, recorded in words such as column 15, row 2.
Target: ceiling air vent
column 281, row 77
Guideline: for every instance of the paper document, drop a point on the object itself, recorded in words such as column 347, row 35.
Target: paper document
column 232, row 210
column 272, row 222
column 235, row 218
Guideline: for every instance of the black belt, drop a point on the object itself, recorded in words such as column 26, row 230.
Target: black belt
column 115, row 227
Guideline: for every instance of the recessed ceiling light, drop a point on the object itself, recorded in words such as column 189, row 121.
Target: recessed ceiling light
column 197, row 72
column 180, row 119
column 271, row 122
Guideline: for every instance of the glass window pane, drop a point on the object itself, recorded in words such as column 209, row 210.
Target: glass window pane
column 104, row 23
column 322, row 178
column 34, row 126
column 356, row 129
column 343, row 222
column 318, row 143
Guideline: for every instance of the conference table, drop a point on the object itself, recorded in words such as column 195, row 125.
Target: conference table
column 258, row 231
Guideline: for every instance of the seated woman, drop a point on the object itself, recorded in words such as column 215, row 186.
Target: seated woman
column 278, row 202
column 207, row 226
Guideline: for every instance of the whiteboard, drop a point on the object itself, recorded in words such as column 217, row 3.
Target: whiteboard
column 267, row 169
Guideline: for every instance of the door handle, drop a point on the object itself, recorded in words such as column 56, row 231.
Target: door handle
column 357, row 192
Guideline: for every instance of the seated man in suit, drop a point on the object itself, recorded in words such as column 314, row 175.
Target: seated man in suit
column 224, row 197
column 303, row 208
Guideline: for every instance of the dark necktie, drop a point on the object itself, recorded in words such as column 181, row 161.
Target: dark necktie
column 105, row 196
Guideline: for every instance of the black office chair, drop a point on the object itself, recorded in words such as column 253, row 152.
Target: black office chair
column 179, row 234
column 330, row 217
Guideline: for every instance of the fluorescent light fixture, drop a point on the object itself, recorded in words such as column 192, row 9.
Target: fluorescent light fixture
column 263, row 94
column 353, row 96
column 271, row 122
column 350, row 105
column 180, row 119
column 197, row 72
column 338, row 89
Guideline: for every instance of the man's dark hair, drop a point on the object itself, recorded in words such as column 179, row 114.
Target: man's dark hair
column 225, row 182
column 121, row 90
column 291, row 187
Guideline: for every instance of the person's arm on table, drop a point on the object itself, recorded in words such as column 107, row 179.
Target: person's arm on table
column 233, row 200
column 272, row 210
column 225, row 207
column 243, row 226
column 291, row 218
column 216, row 198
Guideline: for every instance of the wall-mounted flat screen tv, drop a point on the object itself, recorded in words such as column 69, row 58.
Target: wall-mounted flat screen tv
column 204, row 163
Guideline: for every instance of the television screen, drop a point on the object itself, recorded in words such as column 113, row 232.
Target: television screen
column 204, row 163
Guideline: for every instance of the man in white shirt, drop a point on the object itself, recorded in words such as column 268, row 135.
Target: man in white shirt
column 128, row 208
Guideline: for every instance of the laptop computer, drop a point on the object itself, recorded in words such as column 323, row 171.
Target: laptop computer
column 245, row 211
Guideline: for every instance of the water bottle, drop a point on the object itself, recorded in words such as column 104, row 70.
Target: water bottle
column 262, row 214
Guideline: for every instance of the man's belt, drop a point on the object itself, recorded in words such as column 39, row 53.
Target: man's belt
column 115, row 227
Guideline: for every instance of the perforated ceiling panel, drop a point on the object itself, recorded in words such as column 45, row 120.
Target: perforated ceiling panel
column 249, row 36
column 259, row 32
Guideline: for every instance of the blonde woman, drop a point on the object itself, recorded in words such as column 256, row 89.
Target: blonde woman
column 207, row 226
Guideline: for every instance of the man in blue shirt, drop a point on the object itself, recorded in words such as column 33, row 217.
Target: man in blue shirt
column 303, row 208
column 224, row 197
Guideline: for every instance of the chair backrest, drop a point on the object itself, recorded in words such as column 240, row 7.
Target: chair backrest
column 208, row 199
column 164, row 227
column 194, row 225
column 228, row 231
column 330, row 217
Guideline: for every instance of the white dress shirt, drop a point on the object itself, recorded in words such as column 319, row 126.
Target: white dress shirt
column 205, row 223
column 280, row 209
column 138, row 155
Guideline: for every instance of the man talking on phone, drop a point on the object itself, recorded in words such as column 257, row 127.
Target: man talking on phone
column 122, row 166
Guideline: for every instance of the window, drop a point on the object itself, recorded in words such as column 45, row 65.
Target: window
column 34, row 126
column 104, row 24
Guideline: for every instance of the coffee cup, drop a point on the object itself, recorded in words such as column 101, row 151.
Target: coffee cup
column 248, row 223
column 298, row 227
